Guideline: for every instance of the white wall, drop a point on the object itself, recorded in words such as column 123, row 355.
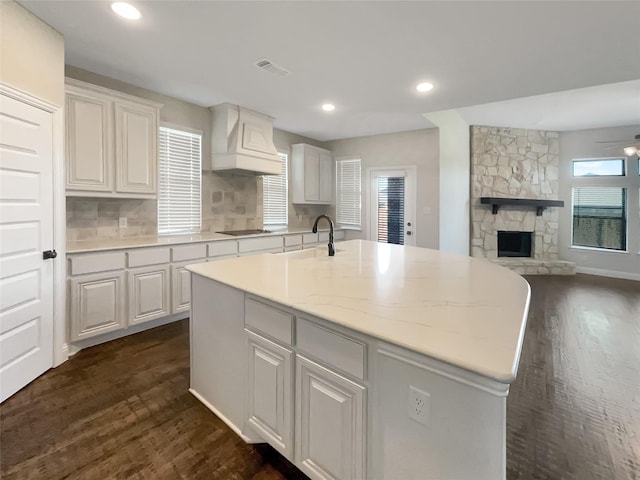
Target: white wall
column 455, row 171
column 417, row 147
column 582, row 144
column 31, row 54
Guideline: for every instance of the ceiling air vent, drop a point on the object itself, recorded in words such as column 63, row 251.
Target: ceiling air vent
column 272, row 68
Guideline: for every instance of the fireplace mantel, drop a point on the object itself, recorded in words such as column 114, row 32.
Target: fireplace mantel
column 540, row 205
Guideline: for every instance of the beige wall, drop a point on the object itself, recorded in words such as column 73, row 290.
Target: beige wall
column 453, row 181
column 31, row 54
column 419, row 148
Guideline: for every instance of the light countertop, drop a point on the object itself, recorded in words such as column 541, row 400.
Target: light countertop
column 461, row 310
column 160, row 240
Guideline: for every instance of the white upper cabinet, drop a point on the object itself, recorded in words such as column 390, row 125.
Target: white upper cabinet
column 136, row 148
column 312, row 173
column 89, row 146
column 111, row 143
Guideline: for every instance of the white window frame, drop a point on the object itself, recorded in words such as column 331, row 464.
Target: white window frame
column 186, row 218
column 275, row 196
column 624, row 181
column 343, row 219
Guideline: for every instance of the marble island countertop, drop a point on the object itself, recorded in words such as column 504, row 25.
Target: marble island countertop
column 161, row 240
column 460, row 310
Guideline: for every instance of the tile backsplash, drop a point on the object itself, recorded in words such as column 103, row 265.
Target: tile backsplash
column 93, row 218
column 229, row 202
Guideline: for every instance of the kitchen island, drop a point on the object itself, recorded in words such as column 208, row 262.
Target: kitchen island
column 384, row 361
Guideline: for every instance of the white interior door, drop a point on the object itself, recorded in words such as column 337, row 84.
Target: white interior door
column 26, row 229
column 392, row 205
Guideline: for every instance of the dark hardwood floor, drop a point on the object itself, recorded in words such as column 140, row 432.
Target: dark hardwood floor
column 122, row 410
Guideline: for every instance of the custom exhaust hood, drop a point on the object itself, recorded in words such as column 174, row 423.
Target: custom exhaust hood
column 242, row 142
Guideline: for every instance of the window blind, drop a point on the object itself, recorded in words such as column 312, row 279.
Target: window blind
column 274, row 197
column 180, row 178
column 599, row 217
column 348, row 192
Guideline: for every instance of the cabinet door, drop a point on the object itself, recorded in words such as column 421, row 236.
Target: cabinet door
column 311, row 180
column 88, row 142
column 97, row 304
column 330, row 423
column 270, row 393
column 181, row 287
column 325, row 174
column 148, row 294
column 136, row 130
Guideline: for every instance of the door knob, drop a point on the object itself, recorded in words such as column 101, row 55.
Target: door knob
column 49, row 254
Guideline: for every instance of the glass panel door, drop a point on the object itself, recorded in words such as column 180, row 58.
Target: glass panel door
column 392, row 206
column 391, row 210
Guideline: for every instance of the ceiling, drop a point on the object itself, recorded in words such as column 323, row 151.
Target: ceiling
column 367, row 57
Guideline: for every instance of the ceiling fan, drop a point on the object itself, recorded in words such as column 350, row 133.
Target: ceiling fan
column 630, row 147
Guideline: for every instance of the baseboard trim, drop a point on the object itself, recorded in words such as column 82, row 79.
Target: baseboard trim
column 608, row 273
column 223, row 418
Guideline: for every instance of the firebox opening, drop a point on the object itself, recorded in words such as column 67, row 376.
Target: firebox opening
column 514, row 244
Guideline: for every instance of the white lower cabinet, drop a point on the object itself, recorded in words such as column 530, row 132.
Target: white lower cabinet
column 96, row 304
column 330, row 436
column 148, row 294
column 270, row 392
column 181, row 287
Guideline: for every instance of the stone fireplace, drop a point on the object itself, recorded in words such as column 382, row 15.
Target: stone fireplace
column 524, row 164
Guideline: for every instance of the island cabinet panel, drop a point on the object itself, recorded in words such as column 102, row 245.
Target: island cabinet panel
column 269, row 320
column 219, row 353
column 461, row 430
column 148, row 294
column 96, row 304
column 332, row 348
column 330, row 423
column 270, row 392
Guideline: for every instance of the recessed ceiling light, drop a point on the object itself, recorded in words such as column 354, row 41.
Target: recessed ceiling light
column 424, row 87
column 328, row 107
column 126, row 10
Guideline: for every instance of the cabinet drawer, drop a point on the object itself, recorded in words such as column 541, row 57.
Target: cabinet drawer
column 188, row 252
column 309, row 238
column 225, row 247
column 94, row 263
column 260, row 243
column 339, row 235
column 323, row 236
column 292, row 240
column 269, row 320
column 143, row 257
column 333, row 348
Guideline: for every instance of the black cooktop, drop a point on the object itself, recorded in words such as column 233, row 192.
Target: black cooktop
column 237, row 233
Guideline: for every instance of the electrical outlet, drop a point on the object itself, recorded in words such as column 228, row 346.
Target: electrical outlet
column 122, row 223
column 419, row 407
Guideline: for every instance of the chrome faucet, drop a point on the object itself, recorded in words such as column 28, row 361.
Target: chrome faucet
column 332, row 250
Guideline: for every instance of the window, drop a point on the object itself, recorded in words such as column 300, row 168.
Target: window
column 180, row 159
column 348, row 203
column 600, row 217
column 275, row 202
column 598, row 167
